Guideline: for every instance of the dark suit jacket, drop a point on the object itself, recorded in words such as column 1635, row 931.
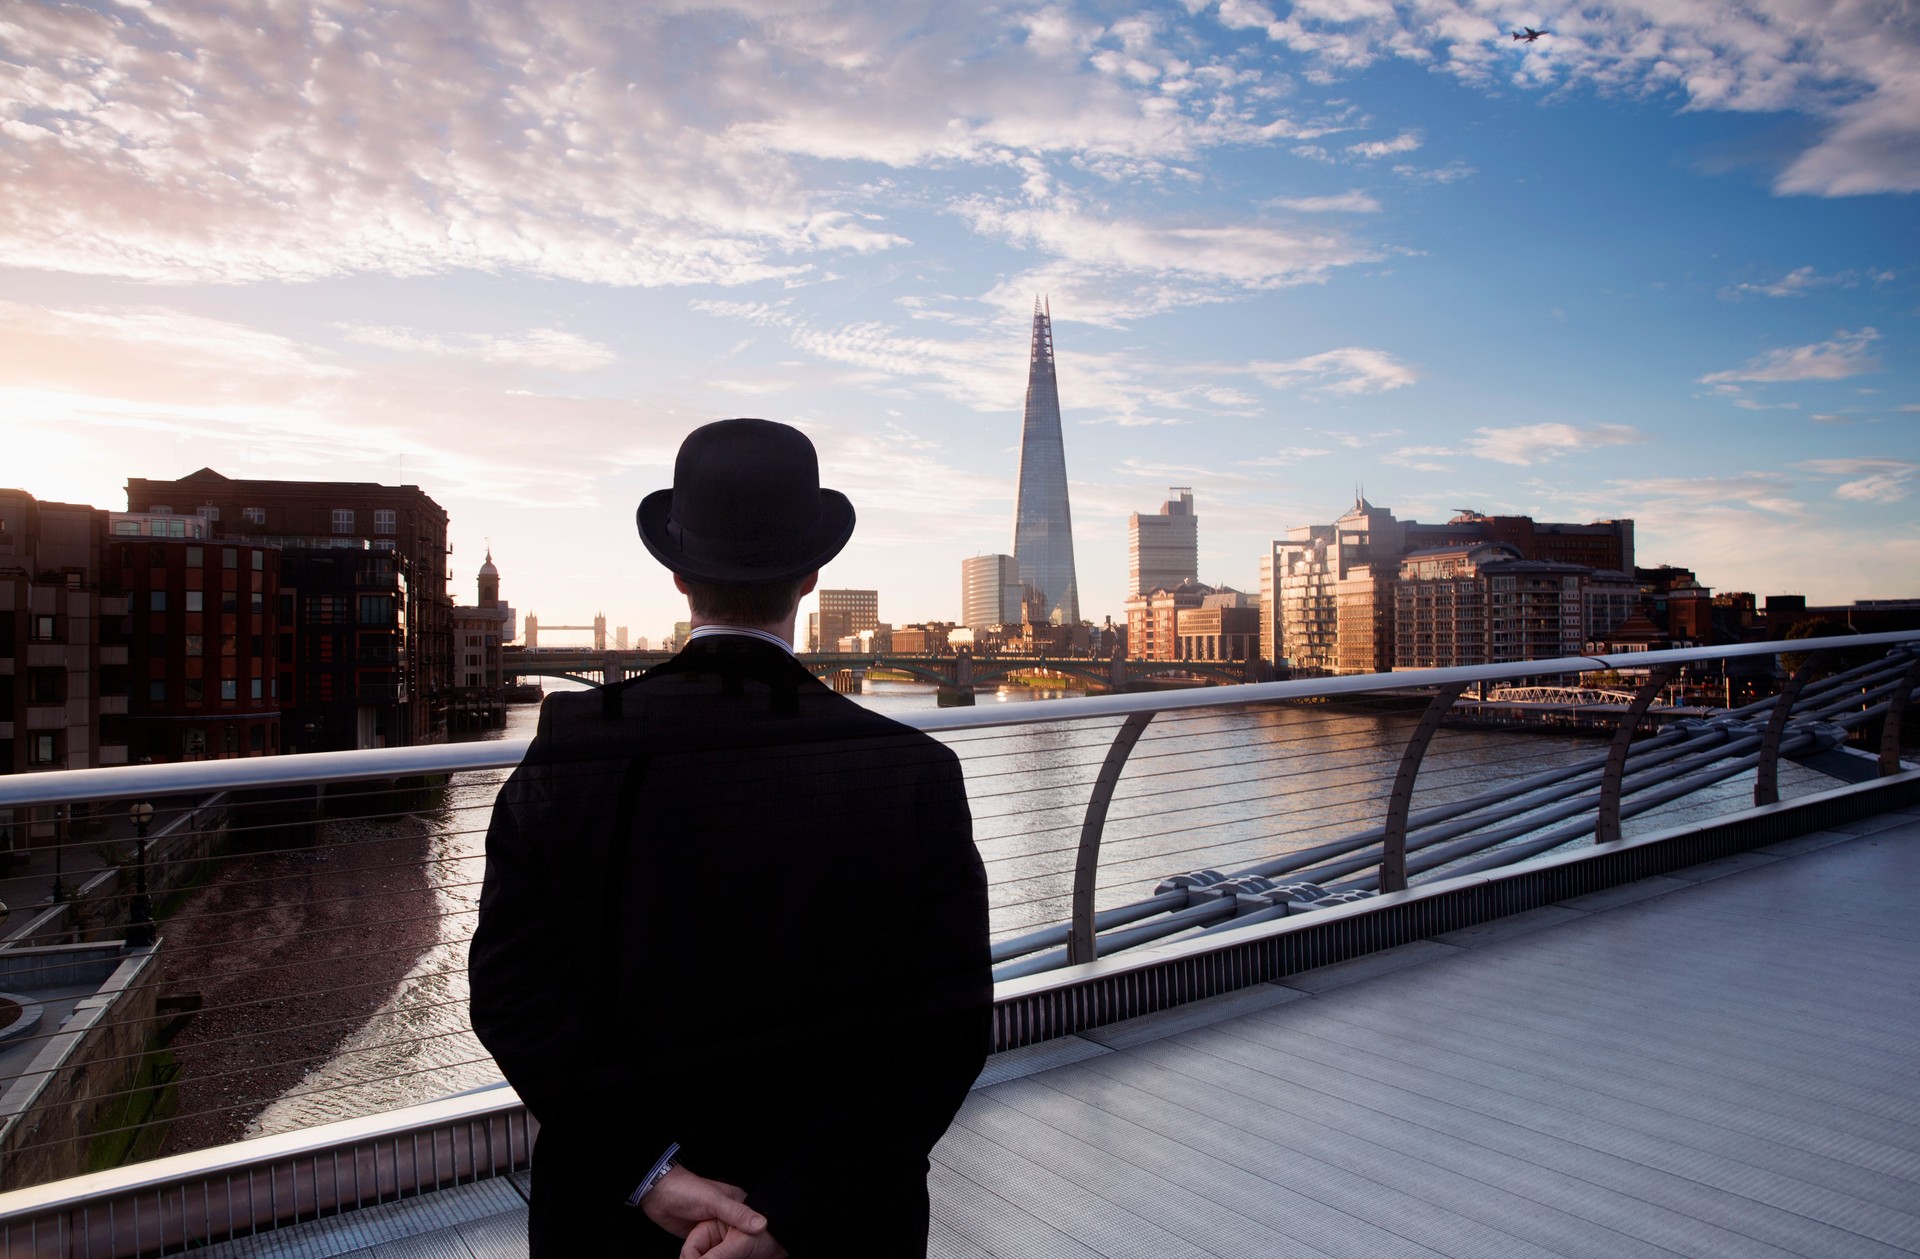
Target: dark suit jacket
column 727, row 907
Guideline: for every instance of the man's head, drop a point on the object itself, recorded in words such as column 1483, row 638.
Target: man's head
column 762, row 603
column 746, row 525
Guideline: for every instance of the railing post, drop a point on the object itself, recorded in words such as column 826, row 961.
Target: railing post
column 1606, row 827
column 1393, row 852
column 1896, row 714
column 1086, row 865
column 1766, row 779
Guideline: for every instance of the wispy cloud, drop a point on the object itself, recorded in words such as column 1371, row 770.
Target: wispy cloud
column 1535, row 443
column 1349, row 370
column 1354, row 202
column 1405, row 142
column 539, row 347
column 1849, row 66
column 1847, row 354
column 1870, row 480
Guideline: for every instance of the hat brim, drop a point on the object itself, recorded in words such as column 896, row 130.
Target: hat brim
column 793, row 559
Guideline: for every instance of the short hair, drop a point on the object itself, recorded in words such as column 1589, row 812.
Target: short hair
column 756, row 603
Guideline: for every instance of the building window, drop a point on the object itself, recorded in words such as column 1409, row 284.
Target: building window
column 256, row 688
column 196, row 601
column 196, row 691
column 196, row 644
column 43, row 685
column 157, row 600
column 194, row 742
column 343, row 520
column 156, row 689
column 259, row 601
column 196, row 556
column 41, row 631
column 385, row 520
column 160, row 509
column 40, row 749
column 229, row 558
column 229, row 689
column 126, row 528
column 376, row 609
column 256, row 735
column 208, row 512
column 254, row 515
column 259, row 561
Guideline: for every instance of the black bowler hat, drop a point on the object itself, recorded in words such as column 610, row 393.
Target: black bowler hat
column 746, row 506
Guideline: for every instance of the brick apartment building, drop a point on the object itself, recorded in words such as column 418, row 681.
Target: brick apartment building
column 202, row 640
column 403, row 662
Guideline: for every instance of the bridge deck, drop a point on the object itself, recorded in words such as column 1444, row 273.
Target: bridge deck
column 1716, row 1063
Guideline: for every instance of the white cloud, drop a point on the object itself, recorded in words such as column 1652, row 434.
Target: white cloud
column 1847, row 354
column 1405, row 142
column 1354, row 202
column 647, row 145
column 1849, row 65
column 1874, row 480
column 1351, row 369
column 538, row 347
column 1534, row 443
column 1421, row 458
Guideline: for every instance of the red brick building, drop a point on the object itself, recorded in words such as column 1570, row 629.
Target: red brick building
column 400, row 522
column 202, row 639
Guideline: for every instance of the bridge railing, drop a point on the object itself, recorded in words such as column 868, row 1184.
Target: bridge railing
column 312, row 910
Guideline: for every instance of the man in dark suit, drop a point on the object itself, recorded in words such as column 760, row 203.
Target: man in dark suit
column 732, row 944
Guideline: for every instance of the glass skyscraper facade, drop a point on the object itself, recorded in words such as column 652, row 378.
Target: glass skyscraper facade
column 1042, row 521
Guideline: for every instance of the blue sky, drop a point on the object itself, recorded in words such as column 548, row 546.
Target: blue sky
column 1660, row 263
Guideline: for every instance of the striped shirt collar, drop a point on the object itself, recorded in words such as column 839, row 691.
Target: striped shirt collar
column 740, row 631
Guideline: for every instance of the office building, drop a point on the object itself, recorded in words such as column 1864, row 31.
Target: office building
column 842, row 614
column 990, row 591
column 1042, row 520
column 1163, row 549
column 400, row 521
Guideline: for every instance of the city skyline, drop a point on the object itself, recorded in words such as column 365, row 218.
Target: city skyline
column 1657, row 264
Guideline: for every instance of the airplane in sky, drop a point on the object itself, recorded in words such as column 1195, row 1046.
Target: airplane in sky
column 1529, row 34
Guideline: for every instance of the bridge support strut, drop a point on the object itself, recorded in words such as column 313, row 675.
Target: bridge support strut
column 1606, row 827
column 1393, row 851
column 1086, row 866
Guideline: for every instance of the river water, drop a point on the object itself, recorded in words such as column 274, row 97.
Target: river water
column 1213, row 790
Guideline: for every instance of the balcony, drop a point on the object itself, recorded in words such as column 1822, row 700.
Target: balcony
column 115, row 605
column 113, row 653
column 1480, row 1036
column 46, row 716
column 113, row 705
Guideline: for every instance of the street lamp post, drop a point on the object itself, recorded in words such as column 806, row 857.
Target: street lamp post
column 140, row 921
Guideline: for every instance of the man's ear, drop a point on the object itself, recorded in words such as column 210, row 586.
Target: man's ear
column 680, row 584
column 806, row 587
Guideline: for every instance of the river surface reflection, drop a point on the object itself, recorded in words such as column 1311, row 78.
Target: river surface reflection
column 1207, row 790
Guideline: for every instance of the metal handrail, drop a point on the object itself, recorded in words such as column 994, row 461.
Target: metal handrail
column 115, row 782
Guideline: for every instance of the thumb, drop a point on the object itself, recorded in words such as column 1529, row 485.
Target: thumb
column 740, row 1216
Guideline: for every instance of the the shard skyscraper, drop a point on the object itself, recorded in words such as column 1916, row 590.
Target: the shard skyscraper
column 1042, row 522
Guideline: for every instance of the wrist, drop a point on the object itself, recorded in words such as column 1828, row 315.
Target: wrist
column 655, row 1174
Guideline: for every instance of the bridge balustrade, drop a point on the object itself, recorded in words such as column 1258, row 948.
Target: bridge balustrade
column 307, row 981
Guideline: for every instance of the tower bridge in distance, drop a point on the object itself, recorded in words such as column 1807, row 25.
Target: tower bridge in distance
column 961, row 671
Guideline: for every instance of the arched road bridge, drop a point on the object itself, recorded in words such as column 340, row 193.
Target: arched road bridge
column 963, row 671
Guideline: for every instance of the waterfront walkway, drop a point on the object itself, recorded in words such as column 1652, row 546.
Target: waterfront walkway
column 1725, row 1061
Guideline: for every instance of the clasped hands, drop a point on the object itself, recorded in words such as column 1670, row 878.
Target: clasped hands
column 712, row 1216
